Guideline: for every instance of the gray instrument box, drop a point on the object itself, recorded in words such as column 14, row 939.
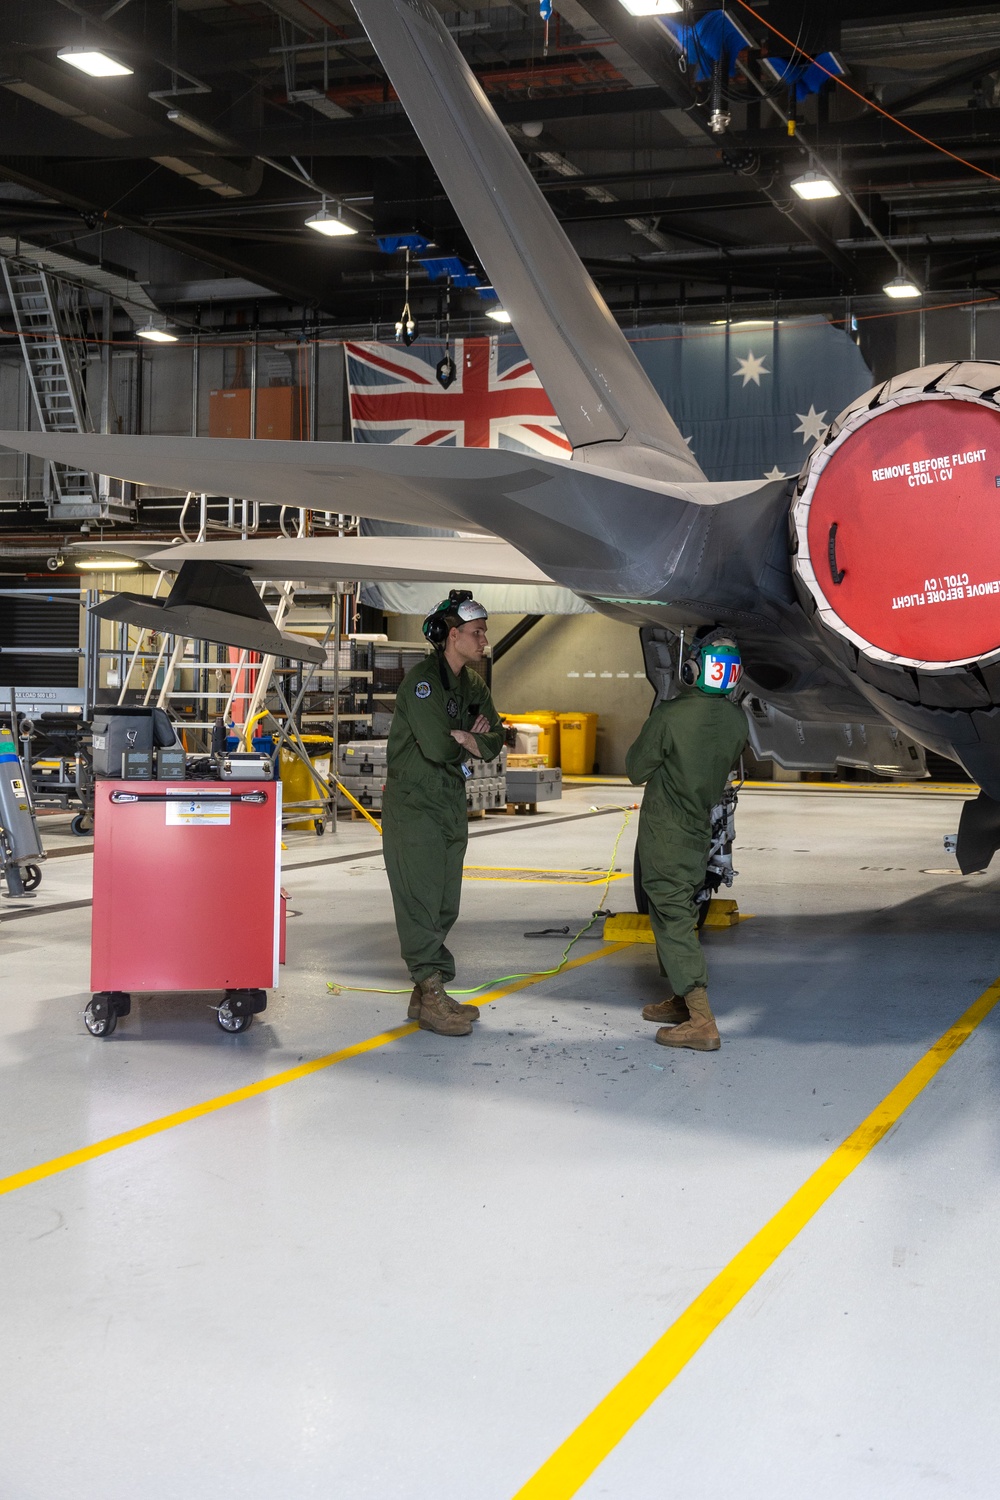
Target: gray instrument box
column 119, row 729
column 534, row 784
column 363, row 758
column 364, row 789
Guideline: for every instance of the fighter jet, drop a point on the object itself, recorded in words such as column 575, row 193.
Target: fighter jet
column 864, row 595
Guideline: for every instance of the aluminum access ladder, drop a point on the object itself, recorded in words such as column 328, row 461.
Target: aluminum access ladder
column 46, row 316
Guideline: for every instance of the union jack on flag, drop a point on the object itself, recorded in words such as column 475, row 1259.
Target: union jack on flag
column 495, row 401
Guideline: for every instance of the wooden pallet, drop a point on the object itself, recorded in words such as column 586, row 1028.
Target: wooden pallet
column 514, row 809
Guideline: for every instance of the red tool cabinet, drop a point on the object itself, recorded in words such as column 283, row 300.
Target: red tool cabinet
column 186, row 895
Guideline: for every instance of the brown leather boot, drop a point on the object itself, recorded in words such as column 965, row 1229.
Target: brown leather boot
column 457, row 1009
column 700, row 1033
column 436, row 1013
column 674, row 1011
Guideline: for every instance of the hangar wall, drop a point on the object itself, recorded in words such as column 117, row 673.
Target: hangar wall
column 569, row 664
column 167, row 390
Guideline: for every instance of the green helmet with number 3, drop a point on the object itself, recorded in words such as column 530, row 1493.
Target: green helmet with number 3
column 714, row 666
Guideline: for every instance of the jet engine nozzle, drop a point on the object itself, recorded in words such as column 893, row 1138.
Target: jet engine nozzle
column 896, row 527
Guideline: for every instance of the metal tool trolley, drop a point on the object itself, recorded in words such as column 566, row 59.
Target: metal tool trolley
column 187, row 895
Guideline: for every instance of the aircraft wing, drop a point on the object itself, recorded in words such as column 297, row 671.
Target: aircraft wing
column 368, row 559
column 604, row 534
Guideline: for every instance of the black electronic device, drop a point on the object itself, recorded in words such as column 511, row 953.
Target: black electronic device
column 171, row 764
column 137, row 765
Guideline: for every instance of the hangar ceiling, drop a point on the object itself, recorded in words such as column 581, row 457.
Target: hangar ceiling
column 195, row 173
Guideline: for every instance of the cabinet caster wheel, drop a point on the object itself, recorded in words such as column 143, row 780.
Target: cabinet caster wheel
column 31, row 877
column 81, row 825
column 101, row 1016
column 320, row 827
column 231, row 1020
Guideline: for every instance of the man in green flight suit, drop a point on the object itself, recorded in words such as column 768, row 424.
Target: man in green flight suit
column 684, row 755
column 444, row 718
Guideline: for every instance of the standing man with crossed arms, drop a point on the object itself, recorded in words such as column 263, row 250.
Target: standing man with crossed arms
column 444, row 719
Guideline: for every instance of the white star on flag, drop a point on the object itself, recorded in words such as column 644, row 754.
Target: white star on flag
column 750, row 368
column 775, row 473
column 812, row 424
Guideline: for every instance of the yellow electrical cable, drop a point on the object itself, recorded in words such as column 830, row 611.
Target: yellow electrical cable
column 248, row 728
column 360, row 989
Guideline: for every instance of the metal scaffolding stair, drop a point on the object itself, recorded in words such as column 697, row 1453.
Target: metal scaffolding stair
column 47, row 318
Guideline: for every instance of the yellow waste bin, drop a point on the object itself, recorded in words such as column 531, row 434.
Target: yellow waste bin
column 577, row 743
column 548, row 740
column 298, row 784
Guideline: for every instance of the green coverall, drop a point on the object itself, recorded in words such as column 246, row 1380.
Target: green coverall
column 425, row 825
column 684, row 754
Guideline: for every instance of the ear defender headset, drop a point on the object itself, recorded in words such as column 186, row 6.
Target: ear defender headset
column 459, row 602
column 714, row 665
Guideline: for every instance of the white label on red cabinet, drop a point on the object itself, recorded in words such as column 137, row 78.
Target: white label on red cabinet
column 187, row 811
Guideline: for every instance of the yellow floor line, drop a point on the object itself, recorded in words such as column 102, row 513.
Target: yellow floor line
column 572, row 1464
column 254, row 1090
column 538, row 875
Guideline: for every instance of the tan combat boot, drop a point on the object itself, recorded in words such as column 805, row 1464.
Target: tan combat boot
column 700, row 1032
column 413, row 1009
column 674, row 1011
column 436, row 1013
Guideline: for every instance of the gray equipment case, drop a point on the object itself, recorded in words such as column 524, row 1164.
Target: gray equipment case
column 119, row 728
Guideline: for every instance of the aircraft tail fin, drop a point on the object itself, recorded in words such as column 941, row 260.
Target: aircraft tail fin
column 608, row 407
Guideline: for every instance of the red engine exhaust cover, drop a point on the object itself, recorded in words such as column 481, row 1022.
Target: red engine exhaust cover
column 898, row 520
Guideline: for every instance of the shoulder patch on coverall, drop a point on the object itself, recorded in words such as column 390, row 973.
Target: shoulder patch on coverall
column 423, row 689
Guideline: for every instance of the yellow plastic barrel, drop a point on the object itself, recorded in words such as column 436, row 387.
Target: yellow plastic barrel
column 577, row 743
column 548, row 740
column 298, row 784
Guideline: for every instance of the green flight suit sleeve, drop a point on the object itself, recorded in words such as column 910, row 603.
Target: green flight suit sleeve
column 492, row 743
column 428, row 720
column 647, row 753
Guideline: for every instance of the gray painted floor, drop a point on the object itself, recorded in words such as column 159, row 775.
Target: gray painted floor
column 414, row 1273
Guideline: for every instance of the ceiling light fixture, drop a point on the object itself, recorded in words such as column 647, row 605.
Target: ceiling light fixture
column 498, row 314
column 902, row 285
column 156, row 333
column 107, row 565
column 332, row 225
column 653, row 7
column 814, row 185
column 94, row 64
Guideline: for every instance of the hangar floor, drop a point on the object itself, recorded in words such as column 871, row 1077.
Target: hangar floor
column 415, row 1271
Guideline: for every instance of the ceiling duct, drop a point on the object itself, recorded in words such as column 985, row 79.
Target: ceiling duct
column 88, row 106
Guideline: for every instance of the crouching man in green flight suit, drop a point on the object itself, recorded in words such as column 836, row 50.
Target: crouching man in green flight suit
column 684, row 755
column 444, row 718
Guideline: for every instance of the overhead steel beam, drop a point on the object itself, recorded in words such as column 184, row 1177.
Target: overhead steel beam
column 110, row 216
column 657, row 59
column 965, row 74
